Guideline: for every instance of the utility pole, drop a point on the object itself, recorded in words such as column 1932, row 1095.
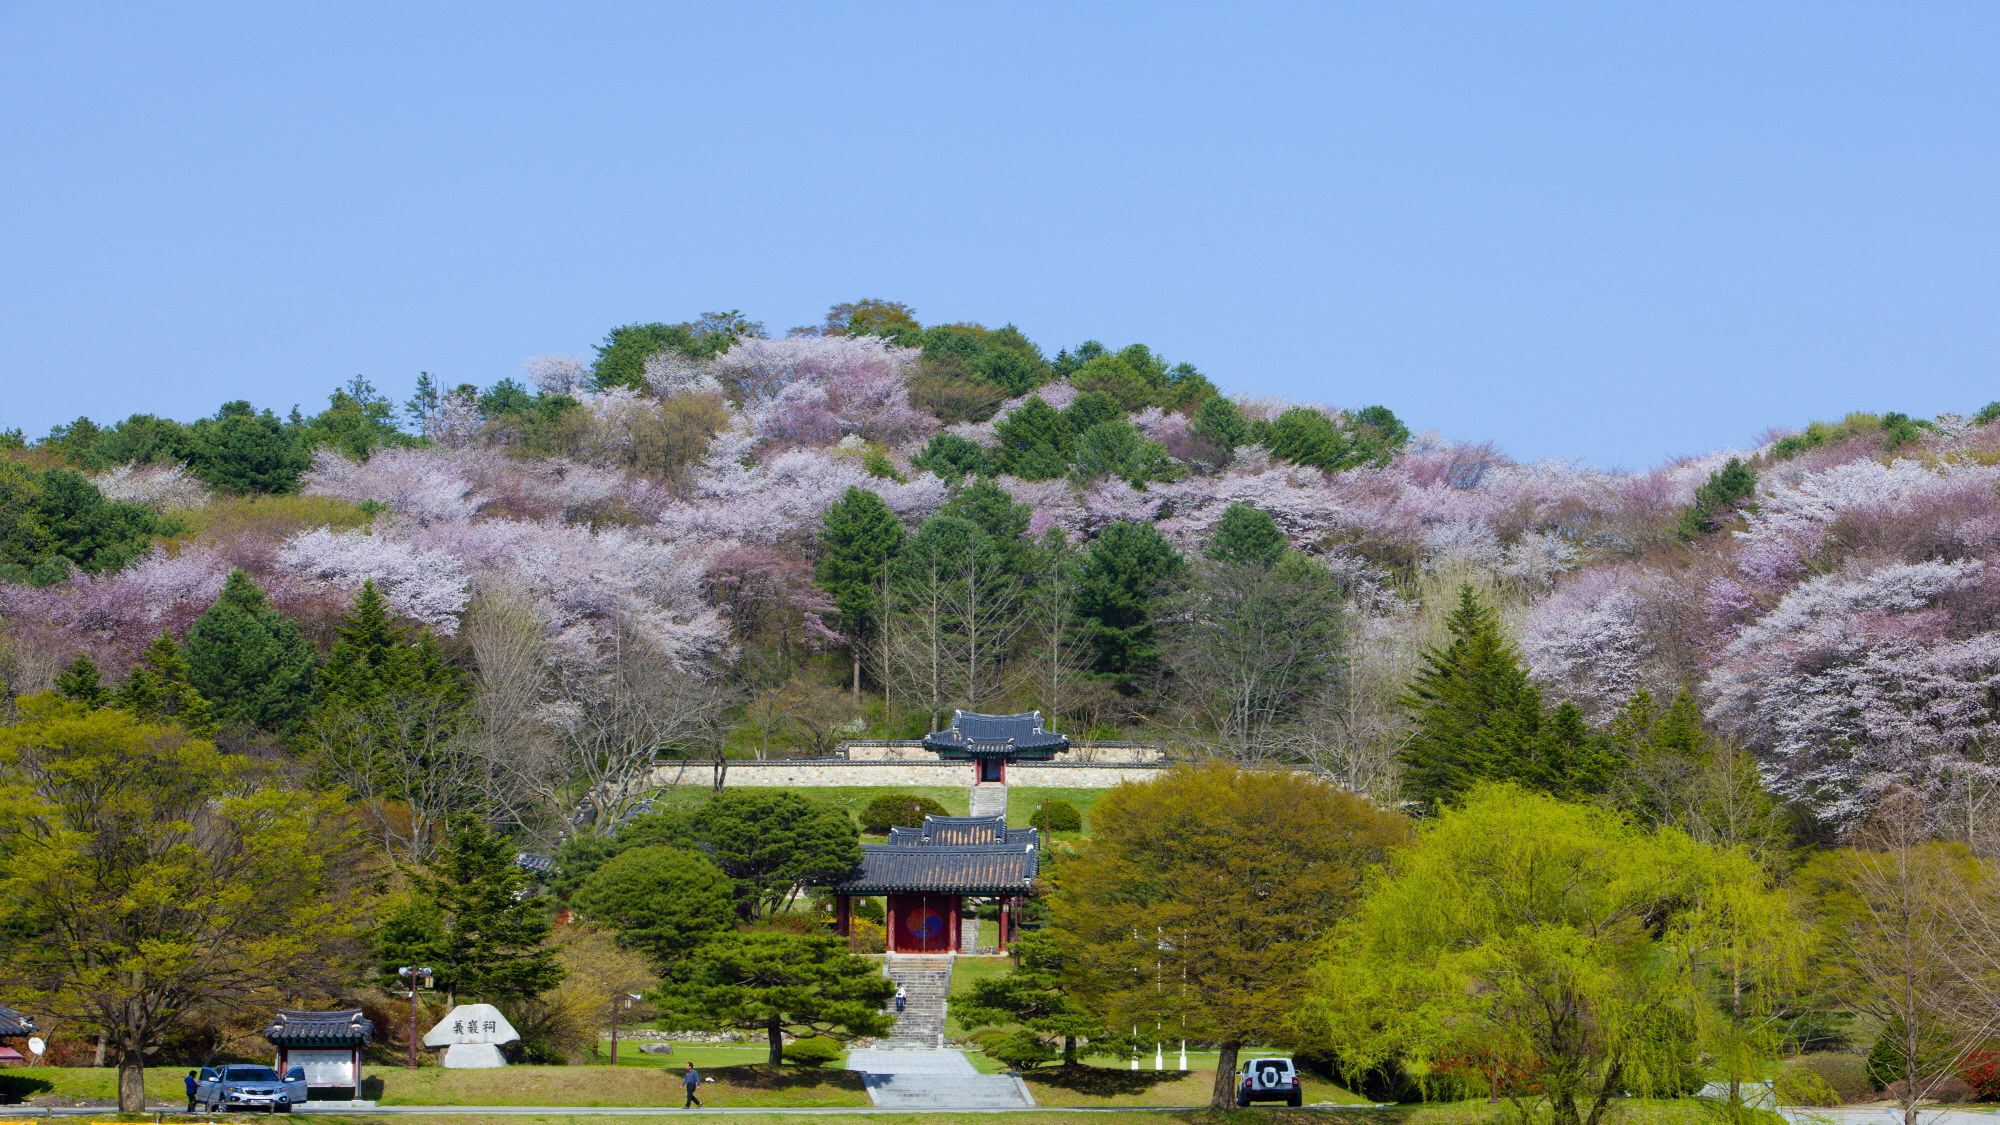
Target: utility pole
column 414, row 975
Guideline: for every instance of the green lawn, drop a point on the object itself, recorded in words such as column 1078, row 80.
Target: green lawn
column 653, row 1081
column 964, row 971
column 17, row 1083
column 1021, row 802
column 853, row 798
column 1101, row 1085
column 702, row 1055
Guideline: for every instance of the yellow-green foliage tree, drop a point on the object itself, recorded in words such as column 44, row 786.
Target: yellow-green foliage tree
column 144, row 872
column 1198, row 904
column 1567, row 954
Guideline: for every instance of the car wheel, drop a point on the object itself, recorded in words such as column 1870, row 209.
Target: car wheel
column 1296, row 1100
column 1243, row 1101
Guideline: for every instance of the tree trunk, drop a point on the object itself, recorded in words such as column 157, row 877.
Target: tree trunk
column 1223, row 1095
column 1069, row 1050
column 777, row 1037
column 855, row 652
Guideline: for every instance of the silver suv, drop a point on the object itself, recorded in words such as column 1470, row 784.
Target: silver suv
column 250, row 1087
column 1270, row 1080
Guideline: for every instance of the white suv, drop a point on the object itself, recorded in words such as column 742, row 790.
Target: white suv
column 1269, row 1080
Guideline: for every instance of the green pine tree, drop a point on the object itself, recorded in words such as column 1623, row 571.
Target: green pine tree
column 1717, row 499
column 1479, row 719
column 1221, row 421
column 82, row 682
column 1004, row 522
column 1246, row 534
column 858, row 536
column 492, row 938
column 1035, row 442
column 1123, row 574
column 251, row 661
column 373, row 654
column 159, row 688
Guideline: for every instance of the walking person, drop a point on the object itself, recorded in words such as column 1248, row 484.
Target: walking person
column 189, row 1083
column 691, row 1078
column 900, row 997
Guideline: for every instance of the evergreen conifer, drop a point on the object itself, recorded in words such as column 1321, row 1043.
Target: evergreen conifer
column 1247, row 534
column 1035, row 442
column 250, row 661
column 373, row 654
column 1123, row 574
column 1479, row 719
column 858, row 536
column 82, row 683
column 159, row 688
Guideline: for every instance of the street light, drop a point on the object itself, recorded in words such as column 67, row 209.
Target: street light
column 418, row 977
column 620, row 999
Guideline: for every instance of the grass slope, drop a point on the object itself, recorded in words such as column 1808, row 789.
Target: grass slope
column 853, row 798
column 1022, row 801
column 1107, row 1086
column 1686, row 1112
column 657, row 1084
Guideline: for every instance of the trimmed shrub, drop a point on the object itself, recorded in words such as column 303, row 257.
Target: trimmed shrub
column 1023, row 1050
column 1845, row 1073
column 1058, row 816
column 812, row 1051
column 1799, row 1085
column 895, row 810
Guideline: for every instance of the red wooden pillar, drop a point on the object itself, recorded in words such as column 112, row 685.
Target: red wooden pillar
column 1006, row 916
column 889, row 920
column 843, row 913
column 956, row 931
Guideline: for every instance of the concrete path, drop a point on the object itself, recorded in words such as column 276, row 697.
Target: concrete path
column 935, row 1079
column 988, row 799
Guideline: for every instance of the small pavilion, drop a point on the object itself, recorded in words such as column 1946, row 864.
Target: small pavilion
column 327, row 1045
column 927, row 873
column 991, row 741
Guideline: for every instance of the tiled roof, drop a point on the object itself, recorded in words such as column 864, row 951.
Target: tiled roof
column 974, row 869
column 950, row 831
column 975, row 734
column 14, row 1023
column 298, row 1028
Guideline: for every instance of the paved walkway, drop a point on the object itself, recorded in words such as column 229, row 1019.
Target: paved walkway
column 935, row 1079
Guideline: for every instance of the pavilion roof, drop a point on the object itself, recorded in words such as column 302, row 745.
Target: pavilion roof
column 945, row 831
column 965, row 869
column 975, row 735
column 331, row 1029
column 13, row 1023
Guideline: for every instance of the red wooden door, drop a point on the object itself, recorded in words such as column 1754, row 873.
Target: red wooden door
column 923, row 923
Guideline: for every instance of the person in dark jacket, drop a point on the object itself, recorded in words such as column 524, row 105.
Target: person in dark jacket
column 691, row 1078
column 190, row 1084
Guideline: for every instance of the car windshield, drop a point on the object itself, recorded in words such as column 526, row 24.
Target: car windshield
column 249, row 1074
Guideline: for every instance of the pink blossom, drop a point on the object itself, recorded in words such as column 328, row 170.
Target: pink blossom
column 423, row 585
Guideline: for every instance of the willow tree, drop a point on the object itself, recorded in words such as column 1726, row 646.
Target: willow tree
column 1521, row 935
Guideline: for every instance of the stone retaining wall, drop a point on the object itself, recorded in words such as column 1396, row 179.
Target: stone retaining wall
column 1089, row 752
column 804, row 773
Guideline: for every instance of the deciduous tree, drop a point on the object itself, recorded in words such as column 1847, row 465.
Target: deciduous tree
column 145, row 874
column 1556, row 940
column 1199, row 901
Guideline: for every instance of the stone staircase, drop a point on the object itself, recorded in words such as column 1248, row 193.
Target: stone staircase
column 935, row 1080
column 926, row 979
column 989, row 799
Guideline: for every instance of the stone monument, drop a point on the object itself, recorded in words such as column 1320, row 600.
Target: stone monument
column 471, row 1036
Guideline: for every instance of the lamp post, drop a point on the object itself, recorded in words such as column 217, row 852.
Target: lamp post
column 417, row 977
column 619, row 999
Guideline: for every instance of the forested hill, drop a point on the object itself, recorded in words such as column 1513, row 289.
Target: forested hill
column 702, row 536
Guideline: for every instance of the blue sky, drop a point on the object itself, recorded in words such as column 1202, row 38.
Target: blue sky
column 1618, row 232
